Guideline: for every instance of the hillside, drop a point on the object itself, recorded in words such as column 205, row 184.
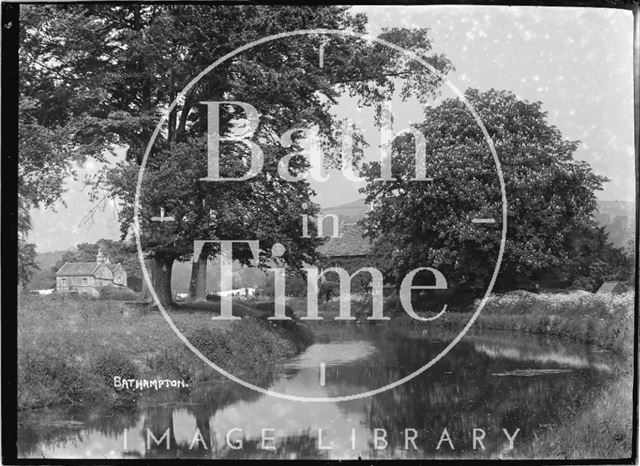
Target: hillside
column 45, row 277
column 350, row 212
column 617, row 216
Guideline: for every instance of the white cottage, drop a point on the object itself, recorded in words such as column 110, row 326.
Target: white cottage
column 86, row 278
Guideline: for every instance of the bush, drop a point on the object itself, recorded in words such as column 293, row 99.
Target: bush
column 174, row 362
column 113, row 363
column 328, row 290
column 248, row 349
column 118, row 294
column 48, row 377
column 252, row 334
column 269, row 309
column 213, row 345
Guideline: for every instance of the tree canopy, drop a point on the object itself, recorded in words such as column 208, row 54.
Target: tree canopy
column 113, row 70
column 551, row 195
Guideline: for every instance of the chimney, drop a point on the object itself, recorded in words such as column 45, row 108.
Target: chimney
column 100, row 257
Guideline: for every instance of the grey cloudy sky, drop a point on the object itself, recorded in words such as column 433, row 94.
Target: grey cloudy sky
column 576, row 61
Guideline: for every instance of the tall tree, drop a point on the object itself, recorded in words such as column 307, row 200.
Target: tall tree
column 136, row 58
column 593, row 259
column 27, row 264
column 55, row 133
column 428, row 224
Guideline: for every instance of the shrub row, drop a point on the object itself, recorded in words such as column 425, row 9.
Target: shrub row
column 600, row 319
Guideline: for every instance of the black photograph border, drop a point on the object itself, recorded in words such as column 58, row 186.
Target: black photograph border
column 9, row 231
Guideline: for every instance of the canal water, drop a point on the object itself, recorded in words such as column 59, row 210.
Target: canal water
column 501, row 384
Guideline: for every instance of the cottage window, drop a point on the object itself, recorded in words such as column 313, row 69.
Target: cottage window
column 85, row 280
column 63, row 281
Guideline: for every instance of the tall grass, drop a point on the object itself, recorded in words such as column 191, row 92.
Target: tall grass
column 603, row 430
column 602, row 319
column 574, row 304
column 247, row 349
column 70, row 349
column 605, row 320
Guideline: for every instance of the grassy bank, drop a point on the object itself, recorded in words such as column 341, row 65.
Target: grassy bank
column 602, row 427
column 602, row 430
column 70, row 349
column 605, row 320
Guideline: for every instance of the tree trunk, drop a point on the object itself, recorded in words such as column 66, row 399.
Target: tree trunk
column 159, row 269
column 198, row 283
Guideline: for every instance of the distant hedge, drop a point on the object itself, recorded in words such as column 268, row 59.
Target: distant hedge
column 118, row 294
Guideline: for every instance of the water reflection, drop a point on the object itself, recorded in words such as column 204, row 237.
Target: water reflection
column 544, row 350
column 458, row 394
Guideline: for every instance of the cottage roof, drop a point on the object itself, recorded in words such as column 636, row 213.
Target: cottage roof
column 74, row 269
column 351, row 242
column 112, row 267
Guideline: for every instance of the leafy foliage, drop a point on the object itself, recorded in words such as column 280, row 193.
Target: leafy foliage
column 550, row 195
column 113, row 363
column 118, row 294
column 27, row 264
column 115, row 68
column 594, row 260
column 55, row 131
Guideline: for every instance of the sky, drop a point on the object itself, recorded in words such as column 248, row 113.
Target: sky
column 576, row 61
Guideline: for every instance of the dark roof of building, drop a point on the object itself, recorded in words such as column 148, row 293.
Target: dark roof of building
column 112, row 267
column 351, row 242
column 72, row 269
column 612, row 287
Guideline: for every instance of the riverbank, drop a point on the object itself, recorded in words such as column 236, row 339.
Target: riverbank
column 604, row 320
column 69, row 349
column 603, row 430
